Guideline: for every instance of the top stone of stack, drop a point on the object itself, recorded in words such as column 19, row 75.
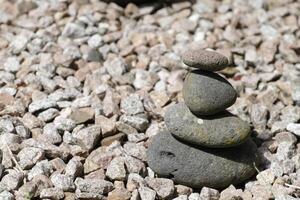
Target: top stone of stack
column 204, row 60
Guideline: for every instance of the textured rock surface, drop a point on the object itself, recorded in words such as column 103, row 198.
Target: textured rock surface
column 196, row 167
column 207, row 93
column 49, row 52
column 221, row 130
column 204, row 60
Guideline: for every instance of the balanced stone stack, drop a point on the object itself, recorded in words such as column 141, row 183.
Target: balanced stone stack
column 205, row 145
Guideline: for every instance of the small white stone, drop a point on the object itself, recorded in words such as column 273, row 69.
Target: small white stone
column 200, row 121
column 294, row 128
column 162, row 186
column 265, row 177
column 132, row 105
column 12, row 64
column 195, row 196
column 116, row 169
column 146, row 193
column 95, row 41
column 63, row 182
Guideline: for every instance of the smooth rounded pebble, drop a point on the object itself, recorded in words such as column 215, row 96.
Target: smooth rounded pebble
column 205, row 60
column 219, row 131
column 196, row 167
column 207, row 93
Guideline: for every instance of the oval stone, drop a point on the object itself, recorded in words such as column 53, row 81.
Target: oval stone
column 207, row 93
column 219, row 131
column 197, row 167
column 204, row 60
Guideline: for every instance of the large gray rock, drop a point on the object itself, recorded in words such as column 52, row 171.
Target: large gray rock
column 218, row 131
column 205, row 60
column 197, row 167
column 207, row 93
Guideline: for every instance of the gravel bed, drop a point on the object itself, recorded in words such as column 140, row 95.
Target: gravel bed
column 84, row 86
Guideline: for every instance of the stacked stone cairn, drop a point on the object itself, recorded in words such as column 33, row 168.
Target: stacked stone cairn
column 205, row 145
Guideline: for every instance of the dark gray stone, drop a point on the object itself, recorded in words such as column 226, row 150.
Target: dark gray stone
column 204, row 60
column 218, row 131
column 207, row 93
column 196, row 167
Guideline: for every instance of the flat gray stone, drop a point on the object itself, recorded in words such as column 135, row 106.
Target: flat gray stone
column 219, row 131
column 204, row 60
column 207, row 93
column 197, row 167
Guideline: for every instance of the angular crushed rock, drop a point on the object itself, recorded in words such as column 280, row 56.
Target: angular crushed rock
column 93, row 186
column 78, row 75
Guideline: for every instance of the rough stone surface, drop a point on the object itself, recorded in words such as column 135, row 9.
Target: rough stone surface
column 207, row 93
column 93, row 186
column 52, row 193
column 198, row 167
column 63, row 182
column 221, row 130
column 163, row 187
column 132, row 105
column 67, row 66
column 204, row 60
column 116, row 169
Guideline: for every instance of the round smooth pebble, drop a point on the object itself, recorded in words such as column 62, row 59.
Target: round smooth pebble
column 207, row 93
column 196, row 167
column 204, row 60
column 220, row 131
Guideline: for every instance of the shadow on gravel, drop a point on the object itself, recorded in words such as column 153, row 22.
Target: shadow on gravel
column 157, row 3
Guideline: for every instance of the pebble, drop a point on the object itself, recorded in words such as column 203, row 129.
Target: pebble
column 207, row 93
column 116, row 169
column 134, row 165
column 132, row 105
column 48, row 115
column 12, row 64
column 115, row 66
column 135, row 150
column 232, row 193
column 204, row 60
column 137, row 122
column 164, row 188
column 43, row 167
column 5, row 195
column 183, row 190
column 52, row 193
column 146, row 193
column 82, row 115
column 29, row 156
column 73, row 30
column 209, row 194
column 110, row 139
column 74, row 168
column 93, row 186
column 294, row 128
column 99, row 158
column 41, row 105
column 189, row 165
column 95, row 41
column 219, row 131
column 108, row 125
column 64, row 124
column 6, row 125
column 63, row 182
column 12, row 180
column 119, row 194
column 88, row 137
column 194, row 196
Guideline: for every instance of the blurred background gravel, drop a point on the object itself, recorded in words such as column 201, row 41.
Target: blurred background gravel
column 84, row 85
